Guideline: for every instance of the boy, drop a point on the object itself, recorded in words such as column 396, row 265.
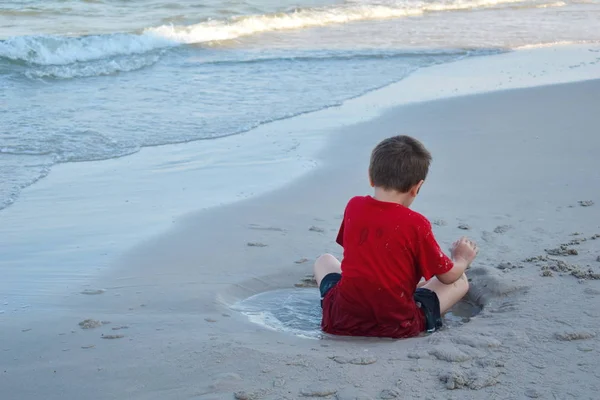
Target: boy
column 375, row 290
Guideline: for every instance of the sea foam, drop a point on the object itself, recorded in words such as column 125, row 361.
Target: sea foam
column 217, row 30
column 48, row 50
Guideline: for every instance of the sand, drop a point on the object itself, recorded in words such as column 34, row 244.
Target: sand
column 519, row 168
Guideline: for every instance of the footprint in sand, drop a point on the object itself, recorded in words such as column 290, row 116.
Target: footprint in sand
column 568, row 336
column 388, row 394
column 507, row 266
column 318, row 391
column 256, row 244
column 487, row 236
column 93, row 291
column 471, row 379
column 316, row 229
column 112, row 336
column 254, row 395
column 591, row 291
column 449, row 354
column 501, row 229
column 307, row 281
column 533, row 393
column 265, row 228
column 278, row 382
column 225, row 381
column 352, row 393
column 92, row 323
column 354, row 361
column 586, row 203
column 118, row 328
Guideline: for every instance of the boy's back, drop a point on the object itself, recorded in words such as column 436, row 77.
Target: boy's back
column 387, row 249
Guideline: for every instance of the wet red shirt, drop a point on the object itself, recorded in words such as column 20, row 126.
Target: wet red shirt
column 387, row 249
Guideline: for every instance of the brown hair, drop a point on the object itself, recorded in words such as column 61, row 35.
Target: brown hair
column 398, row 163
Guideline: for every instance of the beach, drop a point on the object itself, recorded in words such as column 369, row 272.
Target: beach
column 155, row 313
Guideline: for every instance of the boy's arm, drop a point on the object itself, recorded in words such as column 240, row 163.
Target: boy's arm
column 430, row 258
column 433, row 262
column 464, row 252
column 454, row 273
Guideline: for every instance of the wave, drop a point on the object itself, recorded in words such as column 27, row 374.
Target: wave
column 97, row 68
column 218, row 30
column 356, row 55
column 48, row 50
column 555, row 44
column 59, row 50
column 552, row 5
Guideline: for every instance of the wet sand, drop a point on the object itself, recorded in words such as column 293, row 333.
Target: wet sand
column 516, row 170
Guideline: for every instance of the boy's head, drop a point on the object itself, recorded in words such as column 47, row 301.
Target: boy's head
column 400, row 164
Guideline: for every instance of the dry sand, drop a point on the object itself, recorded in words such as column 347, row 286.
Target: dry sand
column 517, row 170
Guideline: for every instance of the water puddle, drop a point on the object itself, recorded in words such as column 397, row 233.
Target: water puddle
column 295, row 311
column 461, row 313
column 298, row 311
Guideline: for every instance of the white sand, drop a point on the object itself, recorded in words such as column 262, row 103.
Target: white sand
column 512, row 165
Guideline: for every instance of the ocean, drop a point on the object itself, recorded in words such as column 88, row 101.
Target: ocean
column 88, row 80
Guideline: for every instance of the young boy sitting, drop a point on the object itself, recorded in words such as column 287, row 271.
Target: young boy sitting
column 388, row 248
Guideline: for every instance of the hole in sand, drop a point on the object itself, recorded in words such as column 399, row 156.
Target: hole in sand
column 298, row 311
column 295, row 311
column 461, row 313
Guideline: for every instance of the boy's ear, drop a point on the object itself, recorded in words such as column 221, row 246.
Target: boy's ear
column 414, row 191
column 370, row 180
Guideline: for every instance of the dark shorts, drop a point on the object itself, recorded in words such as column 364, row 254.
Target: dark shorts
column 426, row 300
column 328, row 282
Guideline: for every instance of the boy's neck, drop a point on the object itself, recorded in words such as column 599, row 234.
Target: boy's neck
column 392, row 196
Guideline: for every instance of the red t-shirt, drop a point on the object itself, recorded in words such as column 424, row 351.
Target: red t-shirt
column 387, row 249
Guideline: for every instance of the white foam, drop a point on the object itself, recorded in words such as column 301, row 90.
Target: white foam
column 552, row 5
column 216, row 30
column 97, row 68
column 56, row 50
column 556, row 44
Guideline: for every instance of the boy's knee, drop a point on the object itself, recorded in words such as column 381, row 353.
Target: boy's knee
column 324, row 261
column 463, row 281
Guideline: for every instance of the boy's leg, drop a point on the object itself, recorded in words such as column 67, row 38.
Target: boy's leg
column 326, row 264
column 448, row 295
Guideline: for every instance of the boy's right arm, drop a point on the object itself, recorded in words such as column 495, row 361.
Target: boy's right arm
column 464, row 252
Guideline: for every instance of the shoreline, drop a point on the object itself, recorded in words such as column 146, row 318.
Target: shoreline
column 172, row 333
column 160, row 185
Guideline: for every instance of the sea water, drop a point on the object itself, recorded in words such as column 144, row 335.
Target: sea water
column 96, row 79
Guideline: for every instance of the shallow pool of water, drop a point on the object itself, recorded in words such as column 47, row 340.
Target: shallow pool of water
column 298, row 311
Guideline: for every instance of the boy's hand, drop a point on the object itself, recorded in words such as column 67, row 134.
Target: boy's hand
column 464, row 250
